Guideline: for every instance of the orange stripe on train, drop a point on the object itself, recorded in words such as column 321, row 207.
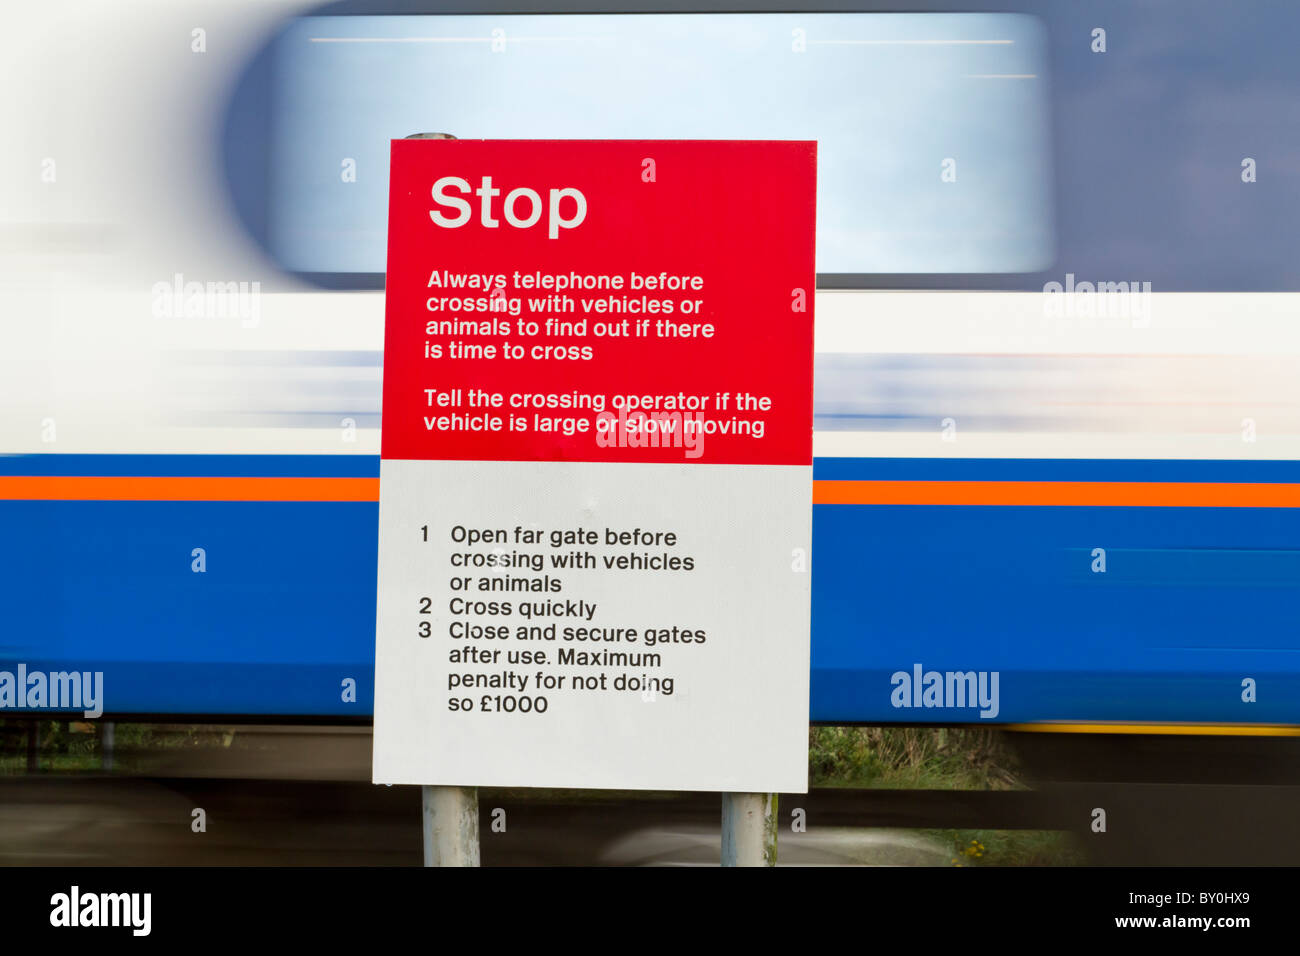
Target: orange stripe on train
column 1136, row 494
column 131, row 488
column 1133, row 494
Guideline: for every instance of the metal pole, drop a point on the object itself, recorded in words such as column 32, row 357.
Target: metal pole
column 749, row 829
column 450, row 826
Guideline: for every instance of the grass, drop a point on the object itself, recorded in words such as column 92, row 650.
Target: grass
column 1010, row 847
column 911, row 758
column 71, row 746
column 939, row 758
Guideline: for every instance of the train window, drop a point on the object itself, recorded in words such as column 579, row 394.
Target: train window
column 957, row 150
column 933, row 132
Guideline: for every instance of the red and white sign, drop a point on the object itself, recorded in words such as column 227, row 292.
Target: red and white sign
column 595, row 492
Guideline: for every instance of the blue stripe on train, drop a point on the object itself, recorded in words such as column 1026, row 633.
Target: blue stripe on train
column 917, row 469
column 1193, row 601
column 284, row 612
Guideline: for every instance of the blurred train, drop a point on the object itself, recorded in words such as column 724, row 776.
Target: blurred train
column 1057, row 422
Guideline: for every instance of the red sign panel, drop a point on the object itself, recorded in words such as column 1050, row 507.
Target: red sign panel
column 593, row 301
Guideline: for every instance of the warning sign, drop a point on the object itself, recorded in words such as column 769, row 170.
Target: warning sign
column 595, row 489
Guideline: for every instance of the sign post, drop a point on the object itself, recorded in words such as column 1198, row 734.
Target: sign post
column 749, row 829
column 596, row 470
column 450, row 826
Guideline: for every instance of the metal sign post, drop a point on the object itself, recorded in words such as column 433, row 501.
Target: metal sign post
column 450, row 826
column 749, row 829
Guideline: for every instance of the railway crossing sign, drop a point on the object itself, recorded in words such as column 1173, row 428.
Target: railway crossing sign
column 596, row 469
